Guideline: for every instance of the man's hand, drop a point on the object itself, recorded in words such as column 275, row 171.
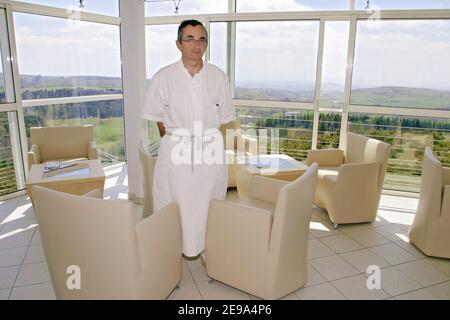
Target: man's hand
column 162, row 130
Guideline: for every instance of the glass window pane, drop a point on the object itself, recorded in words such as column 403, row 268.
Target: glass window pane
column 64, row 58
column 293, row 127
column 161, row 49
column 402, row 4
column 408, row 136
column 8, row 152
column 334, row 64
column 6, row 77
column 402, row 63
column 107, row 116
column 218, row 45
column 290, row 5
column 276, row 60
column 169, row 8
column 107, row 7
column 329, row 129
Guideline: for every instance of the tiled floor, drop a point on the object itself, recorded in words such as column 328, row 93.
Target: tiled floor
column 337, row 259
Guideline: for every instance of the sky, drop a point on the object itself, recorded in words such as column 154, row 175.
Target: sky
column 406, row 53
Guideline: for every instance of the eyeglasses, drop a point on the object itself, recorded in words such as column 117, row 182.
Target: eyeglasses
column 191, row 41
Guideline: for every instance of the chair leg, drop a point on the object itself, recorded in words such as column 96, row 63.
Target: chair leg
column 212, row 281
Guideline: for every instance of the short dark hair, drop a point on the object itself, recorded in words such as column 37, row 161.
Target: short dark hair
column 186, row 23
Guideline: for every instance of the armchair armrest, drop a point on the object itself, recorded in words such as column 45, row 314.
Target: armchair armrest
column 96, row 193
column 238, row 231
column 34, row 156
column 358, row 179
column 325, row 157
column 266, row 189
column 92, row 151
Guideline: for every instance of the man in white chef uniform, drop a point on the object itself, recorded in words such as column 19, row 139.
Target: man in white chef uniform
column 189, row 100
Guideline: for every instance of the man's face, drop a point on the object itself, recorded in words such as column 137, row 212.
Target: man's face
column 195, row 49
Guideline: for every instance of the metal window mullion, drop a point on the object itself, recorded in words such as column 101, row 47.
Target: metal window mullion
column 348, row 82
column 21, row 158
column 231, row 50
column 67, row 100
column 351, row 5
column 399, row 111
column 208, row 31
column 319, row 66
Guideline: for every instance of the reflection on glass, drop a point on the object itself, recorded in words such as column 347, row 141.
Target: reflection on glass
column 218, row 45
column 276, row 60
column 408, row 136
column 64, row 58
column 176, row 7
column 402, row 63
column 161, row 49
column 294, row 128
column 334, row 64
column 8, row 177
column 107, row 116
column 107, row 7
column 290, row 5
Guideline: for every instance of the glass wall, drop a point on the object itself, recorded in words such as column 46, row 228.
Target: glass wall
column 290, row 5
column 402, row 63
column 177, row 7
column 107, row 116
column 276, row 60
column 403, row 4
column 107, row 7
column 65, row 58
column 6, row 76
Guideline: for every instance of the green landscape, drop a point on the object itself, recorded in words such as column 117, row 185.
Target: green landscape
column 407, row 135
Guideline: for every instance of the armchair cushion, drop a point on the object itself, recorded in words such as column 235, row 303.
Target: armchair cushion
column 325, row 157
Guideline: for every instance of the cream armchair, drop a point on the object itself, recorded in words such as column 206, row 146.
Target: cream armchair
column 260, row 246
column 236, row 145
column 99, row 241
column 430, row 230
column 148, row 168
column 61, row 143
column 350, row 181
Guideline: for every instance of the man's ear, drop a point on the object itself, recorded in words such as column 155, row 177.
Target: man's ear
column 178, row 43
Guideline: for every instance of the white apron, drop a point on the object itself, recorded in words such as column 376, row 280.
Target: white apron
column 192, row 184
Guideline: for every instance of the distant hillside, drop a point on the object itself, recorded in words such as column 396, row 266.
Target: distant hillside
column 32, row 81
column 402, row 97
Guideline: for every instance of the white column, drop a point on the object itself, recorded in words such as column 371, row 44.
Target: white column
column 132, row 41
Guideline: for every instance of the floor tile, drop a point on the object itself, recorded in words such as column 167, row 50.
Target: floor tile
column 36, row 238
column 15, row 239
column 341, row 243
column 393, row 253
column 423, row 273
column 313, row 277
column 361, row 259
column 32, row 274
column 323, row 291
column 41, row 291
column 367, row 237
column 220, row 291
column 322, row 229
column 8, row 276
column 356, row 288
column 394, row 282
column 393, row 232
column 187, row 292
column 12, row 256
column 198, row 271
column 410, row 248
column 4, row 294
column 35, row 254
column 316, row 249
column 441, row 264
column 186, row 277
column 20, row 225
column 333, row 267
